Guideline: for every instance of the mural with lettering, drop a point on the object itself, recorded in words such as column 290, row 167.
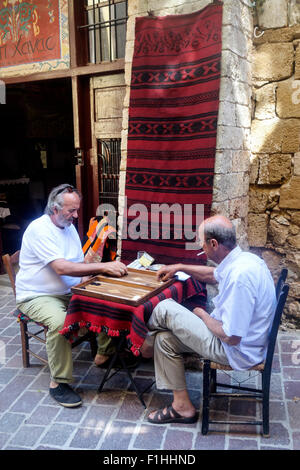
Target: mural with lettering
column 31, row 31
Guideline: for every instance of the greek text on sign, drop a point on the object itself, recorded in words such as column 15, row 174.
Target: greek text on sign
column 29, row 31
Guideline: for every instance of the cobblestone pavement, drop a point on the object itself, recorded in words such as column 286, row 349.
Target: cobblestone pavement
column 115, row 418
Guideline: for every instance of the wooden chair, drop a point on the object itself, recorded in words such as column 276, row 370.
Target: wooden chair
column 262, row 394
column 9, row 263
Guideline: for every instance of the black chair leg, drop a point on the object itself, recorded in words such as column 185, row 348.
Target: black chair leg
column 120, row 342
column 25, row 343
column 93, row 344
column 139, row 394
column 205, row 398
column 213, row 380
column 265, row 405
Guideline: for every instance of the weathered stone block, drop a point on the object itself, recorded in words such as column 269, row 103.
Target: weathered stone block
column 235, row 91
column 294, row 313
column 296, row 161
column 240, row 161
column 230, row 186
column 129, row 51
column 274, row 14
column 235, row 40
column 295, row 218
column 154, row 5
column 287, row 105
column 259, row 199
column 293, row 13
column 272, row 62
column 137, row 7
column 230, row 137
column 297, row 66
column 122, row 181
column 235, row 67
column 265, row 99
column 294, row 241
column 294, row 229
column 238, row 207
column 130, row 32
column 275, row 35
column 278, row 232
column 295, row 289
column 274, row 168
column 223, row 161
column 254, row 167
column 275, row 136
column 290, row 194
column 272, row 259
column 226, row 114
column 243, row 116
column 257, row 229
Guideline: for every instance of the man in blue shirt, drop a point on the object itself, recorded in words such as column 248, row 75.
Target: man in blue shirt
column 235, row 333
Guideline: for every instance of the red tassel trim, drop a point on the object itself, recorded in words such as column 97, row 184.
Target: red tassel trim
column 95, row 329
column 135, row 351
column 112, row 332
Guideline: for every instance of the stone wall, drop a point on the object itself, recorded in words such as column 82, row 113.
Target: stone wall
column 274, row 194
column 231, row 181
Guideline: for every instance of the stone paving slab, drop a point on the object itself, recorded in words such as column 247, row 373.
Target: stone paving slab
column 115, row 418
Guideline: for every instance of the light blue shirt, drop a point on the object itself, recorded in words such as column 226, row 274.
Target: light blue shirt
column 245, row 305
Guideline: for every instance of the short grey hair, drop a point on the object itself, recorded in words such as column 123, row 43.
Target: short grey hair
column 55, row 198
column 224, row 235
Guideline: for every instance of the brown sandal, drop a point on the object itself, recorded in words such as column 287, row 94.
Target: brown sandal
column 171, row 416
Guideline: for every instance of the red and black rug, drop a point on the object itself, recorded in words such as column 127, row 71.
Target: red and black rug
column 173, row 113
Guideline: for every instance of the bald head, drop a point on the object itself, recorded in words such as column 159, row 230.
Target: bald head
column 221, row 229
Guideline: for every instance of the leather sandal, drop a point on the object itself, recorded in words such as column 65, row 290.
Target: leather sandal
column 171, row 416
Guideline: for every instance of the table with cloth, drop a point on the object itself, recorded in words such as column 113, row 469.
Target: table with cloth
column 114, row 318
column 127, row 323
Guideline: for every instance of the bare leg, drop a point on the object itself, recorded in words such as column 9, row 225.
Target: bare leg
column 181, row 403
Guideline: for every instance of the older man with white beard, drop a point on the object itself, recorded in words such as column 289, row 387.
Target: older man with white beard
column 51, row 262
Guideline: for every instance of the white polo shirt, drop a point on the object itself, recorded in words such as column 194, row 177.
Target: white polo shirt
column 42, row 243
column 245, row 305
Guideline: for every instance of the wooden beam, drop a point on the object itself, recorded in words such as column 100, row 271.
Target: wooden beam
column 72, row 33
column 117, row 66
column 76, row 117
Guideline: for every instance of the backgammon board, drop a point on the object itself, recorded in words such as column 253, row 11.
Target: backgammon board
column 132, row 289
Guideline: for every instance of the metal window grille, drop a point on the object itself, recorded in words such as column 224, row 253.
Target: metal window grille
column 109, row 157
column 106, row 25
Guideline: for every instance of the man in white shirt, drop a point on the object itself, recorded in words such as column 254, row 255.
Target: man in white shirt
column 51, row 262
column 235, row 333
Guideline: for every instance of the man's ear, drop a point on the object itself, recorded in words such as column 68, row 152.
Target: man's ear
column 214, row 243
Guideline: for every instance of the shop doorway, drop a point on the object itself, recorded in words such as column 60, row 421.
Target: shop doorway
column 37, row 151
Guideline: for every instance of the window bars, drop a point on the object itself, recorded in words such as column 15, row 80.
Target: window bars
column 109, row 157
column 106, row 26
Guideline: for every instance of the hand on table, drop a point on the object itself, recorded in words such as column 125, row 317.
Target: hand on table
column 167, row 272
column 114, row 268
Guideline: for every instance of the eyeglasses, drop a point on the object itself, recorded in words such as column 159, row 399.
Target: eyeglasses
column 69, row 189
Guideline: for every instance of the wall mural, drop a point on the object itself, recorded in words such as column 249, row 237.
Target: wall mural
column 33, row 33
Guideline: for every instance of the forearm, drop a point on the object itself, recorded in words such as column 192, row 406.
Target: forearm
column 212, row 324
column 215, row 326
column 201, row 273
column 67, row 268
